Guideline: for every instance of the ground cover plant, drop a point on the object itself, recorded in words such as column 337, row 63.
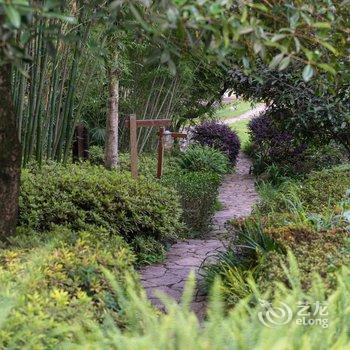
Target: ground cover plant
column 58, row 280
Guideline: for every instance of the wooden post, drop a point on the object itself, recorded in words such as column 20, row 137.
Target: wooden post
column 160, row 152
column 81, row 143
column 133, row 146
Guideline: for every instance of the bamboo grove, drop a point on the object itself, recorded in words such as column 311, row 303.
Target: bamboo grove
column 64, row 80
column 44, row 88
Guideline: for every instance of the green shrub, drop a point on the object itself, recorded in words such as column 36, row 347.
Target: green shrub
column 322, row 253
column 320, row 192
column 82, row 195
column 198, row 192
column 148, row 250
column 147, row 163
column 206, row 159
column 324, row 188
column 96, row 155
column 59, row 280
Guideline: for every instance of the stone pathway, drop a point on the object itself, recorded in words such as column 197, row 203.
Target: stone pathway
column 237, row 195
column 247, row 115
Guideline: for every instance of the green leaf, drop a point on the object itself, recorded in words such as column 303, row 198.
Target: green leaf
column 297, row 44
column 329, row 47
column 257, row 47
column 326, row 67
column 67, row 19
column 138, row 17
column 245, row 30
column 276, row 60
column 278, row 37
column 259, row 7
column 172, row 67
column 308, row 72
column 13, row 15
column 324, row 25
column 284, row 63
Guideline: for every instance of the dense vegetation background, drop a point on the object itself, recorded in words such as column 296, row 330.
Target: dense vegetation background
column 72, row 234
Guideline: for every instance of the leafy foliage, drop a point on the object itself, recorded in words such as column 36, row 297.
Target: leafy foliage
column 198, row 192
column 176, row 329
column 206, row 159
column 59, row 279
column 279, row 153
column 314, row 113
column 218, row 136
column 318, row 192
column 272, row 146
column 81, row 195
column 322, row 252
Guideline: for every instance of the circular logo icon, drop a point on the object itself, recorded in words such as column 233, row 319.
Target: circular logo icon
column 273, row 316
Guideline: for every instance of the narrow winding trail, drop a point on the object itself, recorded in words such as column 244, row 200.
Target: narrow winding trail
column 237, row 196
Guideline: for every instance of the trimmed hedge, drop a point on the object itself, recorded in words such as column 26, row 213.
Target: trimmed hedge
column 81, row 195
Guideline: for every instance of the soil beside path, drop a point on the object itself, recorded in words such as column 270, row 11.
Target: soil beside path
column 237, row 195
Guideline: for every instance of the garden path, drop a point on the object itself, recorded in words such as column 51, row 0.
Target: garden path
column 237, row 196
column 247, row 115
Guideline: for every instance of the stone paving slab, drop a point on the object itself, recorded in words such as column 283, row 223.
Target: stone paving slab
column 237, row 196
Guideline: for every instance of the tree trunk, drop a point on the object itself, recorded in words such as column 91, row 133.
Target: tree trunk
column 111, row 148
column 10, row 157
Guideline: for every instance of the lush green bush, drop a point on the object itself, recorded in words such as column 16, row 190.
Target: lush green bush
column 198, row 192
column 58, row 279
column 81, row 195
column 319, row 192
column 148, row 250
column 199, row 158
column 96, row 155
column 322, row 252
column 324, row 188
